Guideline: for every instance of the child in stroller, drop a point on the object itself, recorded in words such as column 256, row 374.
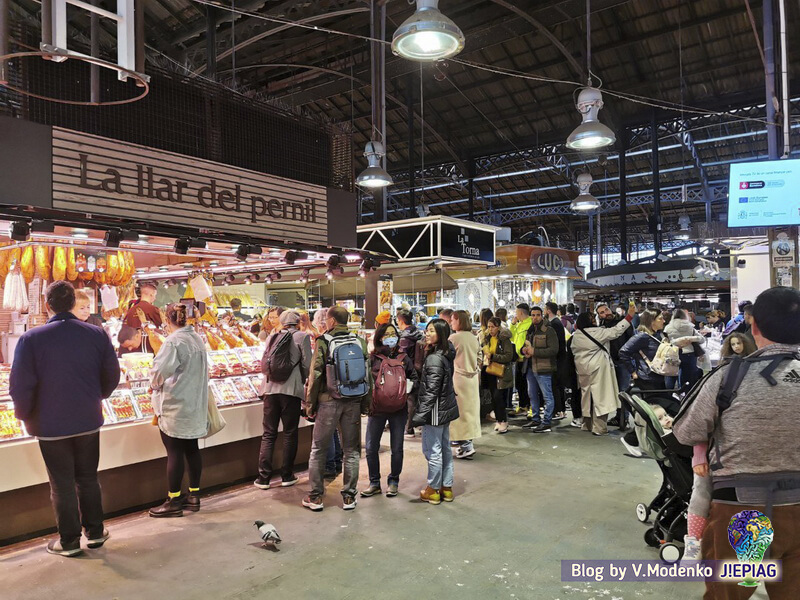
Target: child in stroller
column 672, row 501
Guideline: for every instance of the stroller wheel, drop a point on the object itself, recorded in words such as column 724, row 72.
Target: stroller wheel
column 670, row 553
column 642, row 513
column 651, row 539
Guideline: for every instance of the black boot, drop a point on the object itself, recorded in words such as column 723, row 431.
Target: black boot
column 191, row 501
column 173, row 507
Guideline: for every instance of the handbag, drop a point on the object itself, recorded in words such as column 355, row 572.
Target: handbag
column 216, row 422
column 667, row 360
column 496, row 369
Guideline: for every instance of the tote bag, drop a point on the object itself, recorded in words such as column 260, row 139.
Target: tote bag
column 216, row 422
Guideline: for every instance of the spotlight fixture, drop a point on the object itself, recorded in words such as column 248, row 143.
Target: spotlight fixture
column 585, row 202
column 591, row 133
column 304, row 276
column 276, row 275
column 330, row 274
column 43, row 226
column 182, row 245
column 20, row 230
column 374, row 176
column 80, row 234
column 255, row 277
column 268, row 280
column 367, row 265
column 247, row 280
column 113, row 238
column 230, row 278
column 333, row 261
column 255, row 249
column 427, row 35
column 352, row 256
column 241, row 252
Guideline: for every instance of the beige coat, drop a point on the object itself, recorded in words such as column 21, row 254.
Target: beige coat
column 466, row 381
column 595, row 369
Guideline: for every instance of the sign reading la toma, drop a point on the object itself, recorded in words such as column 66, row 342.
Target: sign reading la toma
column 105, row 177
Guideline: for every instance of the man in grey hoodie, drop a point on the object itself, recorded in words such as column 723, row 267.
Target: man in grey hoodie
column 754, row 453
column 282, row 401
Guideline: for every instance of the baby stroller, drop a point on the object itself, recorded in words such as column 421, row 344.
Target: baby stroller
column 671, row 504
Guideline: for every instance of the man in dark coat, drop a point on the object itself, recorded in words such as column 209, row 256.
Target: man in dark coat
column 60, row 375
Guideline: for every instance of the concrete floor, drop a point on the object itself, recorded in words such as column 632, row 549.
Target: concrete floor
column 525, row 502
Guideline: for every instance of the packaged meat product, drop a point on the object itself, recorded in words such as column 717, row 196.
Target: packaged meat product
column 225, row 392
column 10, row 427
column 144, row 402
column 246, row 391
column 121, row 405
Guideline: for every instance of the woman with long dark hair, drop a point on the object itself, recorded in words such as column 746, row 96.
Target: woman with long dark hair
column 498, row 355
column 436, row 408
column 387, row 353
column 179, row 379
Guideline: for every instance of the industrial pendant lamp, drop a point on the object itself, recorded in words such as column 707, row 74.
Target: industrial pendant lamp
column 585, row 202
column 427, row 35
column 374, row 176
column 591, row 133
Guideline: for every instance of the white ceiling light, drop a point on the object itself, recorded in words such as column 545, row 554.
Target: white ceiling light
column 685, row 225
column 427, row 35
column 374, row 176
column 591, row 133
column 585, row 202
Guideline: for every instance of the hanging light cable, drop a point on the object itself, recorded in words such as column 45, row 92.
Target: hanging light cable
column 591, row 133
column 427, row 35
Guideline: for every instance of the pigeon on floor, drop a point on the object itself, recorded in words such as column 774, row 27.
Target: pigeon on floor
column 268, row 532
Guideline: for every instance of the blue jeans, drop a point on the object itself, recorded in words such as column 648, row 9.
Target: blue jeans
column 545, row 383
column 333, row 460
column 436, row 448
column 375, row 425
column 689, row 373
column 346, row 416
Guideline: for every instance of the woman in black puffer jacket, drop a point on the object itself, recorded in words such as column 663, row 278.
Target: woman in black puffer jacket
column 436, row 407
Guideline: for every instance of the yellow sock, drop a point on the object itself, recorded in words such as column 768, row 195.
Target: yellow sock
column 194, row 489
column 173, row 495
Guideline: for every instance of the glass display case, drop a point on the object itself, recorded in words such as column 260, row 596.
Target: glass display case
column 234, row 378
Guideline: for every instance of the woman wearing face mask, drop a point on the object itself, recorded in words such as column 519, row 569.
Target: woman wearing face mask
column 386, row 338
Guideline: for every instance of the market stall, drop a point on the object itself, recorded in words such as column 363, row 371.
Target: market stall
column 114, row 217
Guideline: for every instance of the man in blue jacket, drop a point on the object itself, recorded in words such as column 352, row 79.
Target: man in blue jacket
column 61, row 373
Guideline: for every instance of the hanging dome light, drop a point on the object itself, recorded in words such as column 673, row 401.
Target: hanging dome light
column 374, row 176
column 585, row 202
column 427, row 35
column 685, row 225
column 591, row 133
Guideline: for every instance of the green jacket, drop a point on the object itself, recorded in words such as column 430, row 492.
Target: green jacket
column 519, row 331
column 317, row 387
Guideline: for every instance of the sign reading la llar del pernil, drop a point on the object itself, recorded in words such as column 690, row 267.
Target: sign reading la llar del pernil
column 105, row 177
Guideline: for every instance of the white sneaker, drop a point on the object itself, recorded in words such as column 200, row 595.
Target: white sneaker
column 691, row 549
column 502, row 428
column 462, row 453
column 576, row 423
column 632, row 450
column 496, row 426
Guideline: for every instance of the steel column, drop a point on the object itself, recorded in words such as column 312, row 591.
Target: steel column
column 211, row 42
column 623, row 194
column 769, row 78
column 471, row 187
column 412, row 200
column 656, row 185
column 591, row 243
column 378, row 58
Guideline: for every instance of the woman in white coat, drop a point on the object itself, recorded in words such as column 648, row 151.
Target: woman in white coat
column 466, row 381
column 595, row 369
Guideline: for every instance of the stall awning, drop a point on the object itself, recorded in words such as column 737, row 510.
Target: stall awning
column 406, row 281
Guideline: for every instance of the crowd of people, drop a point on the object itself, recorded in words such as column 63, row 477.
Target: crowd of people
column 439, row 381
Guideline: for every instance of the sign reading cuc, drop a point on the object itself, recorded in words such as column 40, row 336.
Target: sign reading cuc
column 549, row 262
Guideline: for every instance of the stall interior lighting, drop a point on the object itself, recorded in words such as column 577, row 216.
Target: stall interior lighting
column 80, row 234
column 20, row 230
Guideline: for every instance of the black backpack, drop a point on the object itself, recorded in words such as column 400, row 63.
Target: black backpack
column 277, row 363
